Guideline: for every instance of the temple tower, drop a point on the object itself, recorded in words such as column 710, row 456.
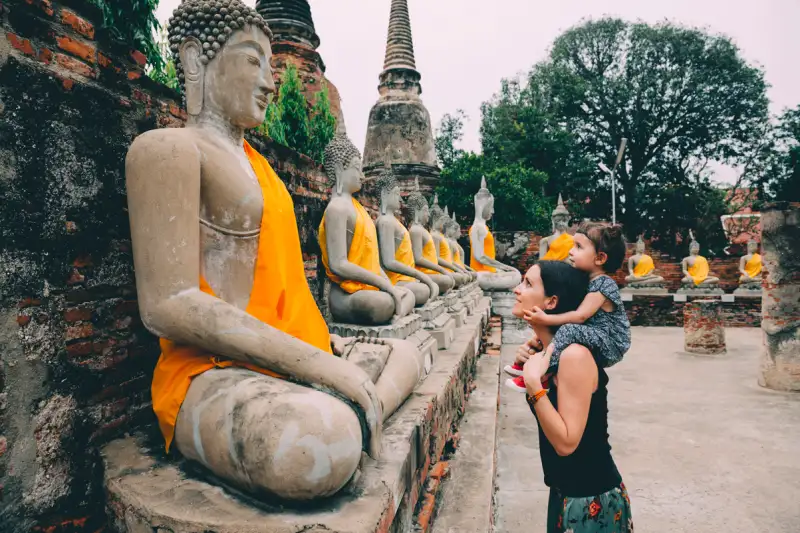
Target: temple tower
column 399, row 131
column 296, row 41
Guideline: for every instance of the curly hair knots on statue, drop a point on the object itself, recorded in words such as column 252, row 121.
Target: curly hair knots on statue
column 340, row 150
column 386, row 181
column 211, row 22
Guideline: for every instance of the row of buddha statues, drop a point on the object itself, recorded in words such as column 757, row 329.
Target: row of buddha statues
column 381, row 270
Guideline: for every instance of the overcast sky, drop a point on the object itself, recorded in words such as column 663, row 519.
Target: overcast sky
column 464, row 47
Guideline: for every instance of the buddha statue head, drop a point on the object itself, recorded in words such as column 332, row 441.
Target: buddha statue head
column 484, row 202
column 437, row 215
column 389, row 191
column 639, row 245
column 694, row 246
column 343, row 164
column 560, row 216
column 418, row 206
column 222, row 54
column 451, row 227
column 752, row 247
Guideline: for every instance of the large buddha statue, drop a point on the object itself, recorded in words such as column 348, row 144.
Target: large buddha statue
column 453, row 232
column 361, row 292
column 492, row 274
column 750, row 268
column 439, row 218
column 556, row 247
column 396, row 254
column 641, row 269
column 695, row 269
column 247, row 385
column 425, row 257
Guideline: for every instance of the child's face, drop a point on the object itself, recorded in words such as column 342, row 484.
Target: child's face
column 584, row 256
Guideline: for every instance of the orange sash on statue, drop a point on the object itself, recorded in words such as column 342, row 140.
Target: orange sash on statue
column 280, row 297
column 429, row 253
column 488, row 251
column 404, row 254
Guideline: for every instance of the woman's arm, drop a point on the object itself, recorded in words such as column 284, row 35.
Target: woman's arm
column 577, row 381
column 590, row 305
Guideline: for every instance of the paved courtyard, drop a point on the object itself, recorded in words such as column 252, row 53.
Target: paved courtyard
column 701, row 447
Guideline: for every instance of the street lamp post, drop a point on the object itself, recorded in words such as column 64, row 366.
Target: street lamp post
column 613, row 180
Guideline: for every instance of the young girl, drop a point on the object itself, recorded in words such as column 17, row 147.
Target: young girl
column 600, row 323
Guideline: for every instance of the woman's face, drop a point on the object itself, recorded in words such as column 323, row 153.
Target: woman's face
column 530, row 293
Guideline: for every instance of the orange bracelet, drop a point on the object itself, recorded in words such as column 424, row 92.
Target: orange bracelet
column 536, row 397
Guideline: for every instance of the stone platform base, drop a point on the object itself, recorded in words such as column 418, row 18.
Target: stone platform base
column 146, row 494
column 747, row 293
column 700, row 292
column 629, row 292
column 515, row 330
column 438, row 323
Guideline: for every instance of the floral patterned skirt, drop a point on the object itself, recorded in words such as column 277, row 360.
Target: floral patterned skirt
column 609, row 512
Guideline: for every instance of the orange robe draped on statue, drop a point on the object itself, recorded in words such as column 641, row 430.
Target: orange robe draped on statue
column 280, row 297
column 429, row 253
column 488, row 251
column 405, row 255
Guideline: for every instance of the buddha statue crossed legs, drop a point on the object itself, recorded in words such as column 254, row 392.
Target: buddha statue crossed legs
column 695, row 269
column 246, row 384
column 492, row 274
column 641, row 269
column 361, row 292
column 396, row 253
column 750, row 268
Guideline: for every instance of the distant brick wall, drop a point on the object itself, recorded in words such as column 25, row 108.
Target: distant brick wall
column 76, row 361
column 664, row 311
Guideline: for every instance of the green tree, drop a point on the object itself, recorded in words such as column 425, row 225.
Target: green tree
column 133, row 22
column 322, row 125
column 515, row 187
column 779, row 177
column 288, row 121
column 166, row 74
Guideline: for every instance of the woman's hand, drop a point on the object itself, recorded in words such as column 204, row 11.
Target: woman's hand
column 533, row 371
column 537, row 317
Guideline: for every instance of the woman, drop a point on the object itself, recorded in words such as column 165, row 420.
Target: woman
column 586, row 490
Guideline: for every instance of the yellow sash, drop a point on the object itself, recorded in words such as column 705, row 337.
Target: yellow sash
column 405, row 255
column 488, row 251
column 699, row 270
column 429, row 253
column 753, row 266
column 280, row 297
column 444, row 251
column 644, row 266
column 363, row 250
column 457, row 256
column 558, row 250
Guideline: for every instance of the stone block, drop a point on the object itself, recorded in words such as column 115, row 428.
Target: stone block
column 703, row 329
column 147, row 493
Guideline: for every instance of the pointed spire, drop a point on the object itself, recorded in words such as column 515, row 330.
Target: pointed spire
column 446, row 213
column 399, row 44
column 416, row 183
column 436, row 199
column 483, row 185
column 560, row 209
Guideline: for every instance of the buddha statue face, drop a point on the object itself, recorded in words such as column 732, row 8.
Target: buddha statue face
column 752, row 247
column 484, row 202
column 390, row 192
column 694, row 248
column 640, row 246
column 343, row 164
column 560, row 222
column 424, row 215
column 451, row 229
column 224, row 63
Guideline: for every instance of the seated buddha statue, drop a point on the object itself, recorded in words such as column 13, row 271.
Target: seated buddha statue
column 556, row 247
column 246, row 385
column 492, row 274
column 426, row 260
column 641, row 269
column 695, row 269
column 361, row 292
column 396, row 254
column 453, row 232
column 750, row 268
column 439, row 217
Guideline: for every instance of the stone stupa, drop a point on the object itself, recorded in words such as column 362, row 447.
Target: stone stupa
column 399, row 131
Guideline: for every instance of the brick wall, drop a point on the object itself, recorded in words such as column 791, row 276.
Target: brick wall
column 75, row 360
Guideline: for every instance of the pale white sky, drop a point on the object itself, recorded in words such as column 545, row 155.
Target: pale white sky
column 464, row 47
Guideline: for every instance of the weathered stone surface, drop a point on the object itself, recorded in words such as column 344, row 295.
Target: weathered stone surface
column 146, row 493
column 702, row 326
column 515, row 330
column 780, row 322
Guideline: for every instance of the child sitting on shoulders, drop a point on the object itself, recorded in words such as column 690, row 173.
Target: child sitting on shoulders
column 600, row 322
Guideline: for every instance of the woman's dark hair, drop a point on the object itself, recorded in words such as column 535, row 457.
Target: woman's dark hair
column 607, row 239
column 565, row 282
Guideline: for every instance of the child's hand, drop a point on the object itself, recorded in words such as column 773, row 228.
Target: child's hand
column 536, row 367
column 537, row 317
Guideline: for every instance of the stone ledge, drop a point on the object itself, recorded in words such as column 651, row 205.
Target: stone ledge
column 146, row 495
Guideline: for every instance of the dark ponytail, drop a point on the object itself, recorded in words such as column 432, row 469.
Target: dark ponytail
column 608, row 239
column 565, row 282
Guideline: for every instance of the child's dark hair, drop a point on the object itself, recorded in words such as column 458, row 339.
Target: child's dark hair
column 607, row 239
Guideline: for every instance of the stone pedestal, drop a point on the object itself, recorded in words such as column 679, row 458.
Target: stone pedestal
column 456, row 309
column 644, row 290
column 437, row 322
column 407, row 328
column 703, row 327
column 515, row 330
column 748, row 290
column 780, row 309
column 692, row 290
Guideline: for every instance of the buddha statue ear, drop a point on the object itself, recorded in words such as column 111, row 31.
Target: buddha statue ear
column 194, row 70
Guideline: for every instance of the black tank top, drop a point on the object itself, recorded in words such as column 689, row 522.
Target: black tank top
column 589, row 470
